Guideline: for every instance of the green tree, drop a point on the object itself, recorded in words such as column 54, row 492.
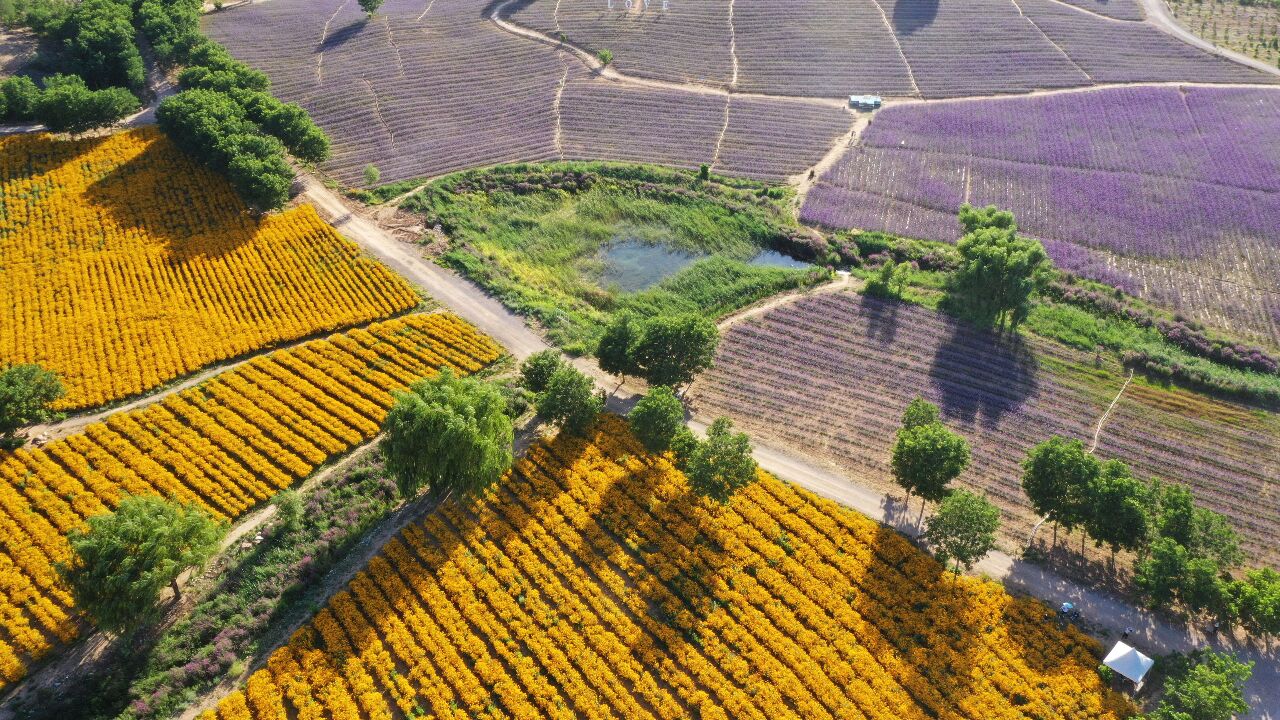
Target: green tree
column 721, row 465
column 973, row 218
column 448, row 434
column 657, row 418
column 537, row 369
column 26, row 392
column 673, row 350
column 21, row 98
column 964, row 529
column 68, row 105
column 999, row 270
column 371, row 175
column 1201, row 531
column 1208, row 685
column 122, row 560
column 570, row 401
column 101, row 42
column 370, row 7
column 1118, row 514
column 926, row 458
column 1057, row 475
column 289, row 509
column 614, row 350
column 920, row 412
column 605, row 57
column 1160, row 573
column 1259, row 601
column 889, row 281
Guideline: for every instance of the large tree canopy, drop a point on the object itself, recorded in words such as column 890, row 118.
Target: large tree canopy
column 721, row 465
column 964, row 529
column 999, row 269
column 1056, row 476
column 122, row 561
column 673, row 350
column 570, row 401
column 657, row 418
column 448, row 434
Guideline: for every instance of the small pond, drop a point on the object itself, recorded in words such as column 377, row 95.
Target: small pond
column 632, row 265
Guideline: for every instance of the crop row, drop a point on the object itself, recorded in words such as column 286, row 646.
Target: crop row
column 831, row 375
column 1118, row 182
column 127, row 265
column 591, row 583
column 225, row 446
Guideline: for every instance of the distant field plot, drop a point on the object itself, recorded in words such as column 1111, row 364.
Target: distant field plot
column 1252, row 29
column 1136, row 186
column 686, row 42
column 831, row 374
column 125, row 264
column 763, row 138
column 1118, row 9
column 1111, row 51
column 225, row 446
column 412, row 92
column 817, row 47
column 424, row 93
column 934, row 49
column 977, row 47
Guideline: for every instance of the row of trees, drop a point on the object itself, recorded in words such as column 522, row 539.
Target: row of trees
column 1185, row 553
column 664, row 350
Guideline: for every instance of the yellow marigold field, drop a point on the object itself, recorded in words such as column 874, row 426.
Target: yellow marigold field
column 224, row 445
column 125, row 264
column 592, row 584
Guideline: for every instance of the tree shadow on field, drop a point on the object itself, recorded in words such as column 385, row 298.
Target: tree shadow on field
column 882, row 317
column 508, row 8
column 910, row 16
column 190, row 217
column 981, row 375
column 344, row 34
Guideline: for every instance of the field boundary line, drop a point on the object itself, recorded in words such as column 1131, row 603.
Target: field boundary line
column 724, row 128
column 1099, row 15
column 324, row 35
column 1051, row 41
column 733, row 47
column 558, row 138
column 425, row 10
column 377, row 110
column 911, row 74
column 1097, row 431
column 391, row 38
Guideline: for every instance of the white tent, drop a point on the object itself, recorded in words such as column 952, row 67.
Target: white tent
column 1128, row 662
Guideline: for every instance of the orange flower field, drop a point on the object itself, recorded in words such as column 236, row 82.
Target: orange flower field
column 224, row 445
column 591, row 583
column 125, row 264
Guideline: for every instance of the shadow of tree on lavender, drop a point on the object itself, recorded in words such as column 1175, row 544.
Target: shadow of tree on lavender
column 980, row 375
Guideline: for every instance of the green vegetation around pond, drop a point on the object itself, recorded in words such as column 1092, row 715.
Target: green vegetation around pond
column 571, row 244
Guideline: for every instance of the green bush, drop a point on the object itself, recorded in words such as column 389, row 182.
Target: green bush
column 21, row 96
column 68, row 105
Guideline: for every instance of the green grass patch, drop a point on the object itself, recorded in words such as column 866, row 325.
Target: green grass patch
column 546, row 240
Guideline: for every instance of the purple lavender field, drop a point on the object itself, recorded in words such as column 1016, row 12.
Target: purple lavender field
column 1171, row 192
column 420, row 93
column 916, row 48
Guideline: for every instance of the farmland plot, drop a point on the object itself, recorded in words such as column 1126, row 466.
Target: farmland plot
column 1171, row 192
column 592, row 583
column 125, row 264
column 412, row 92
column 763, row 138
column 831, row 374
column 936, row 49
column 225, row 446
column 425, row 93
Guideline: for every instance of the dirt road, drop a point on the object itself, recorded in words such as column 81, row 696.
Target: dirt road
column 1158, row 15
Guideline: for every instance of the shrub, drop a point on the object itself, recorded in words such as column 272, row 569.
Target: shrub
column 21, row 97
column 537, row 369
column 68, row 105
column 570, row 401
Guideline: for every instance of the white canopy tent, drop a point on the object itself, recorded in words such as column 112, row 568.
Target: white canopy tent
column 1129, row 662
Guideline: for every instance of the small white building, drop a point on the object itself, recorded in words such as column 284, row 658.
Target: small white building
column 1129, row 663
column 865, row 102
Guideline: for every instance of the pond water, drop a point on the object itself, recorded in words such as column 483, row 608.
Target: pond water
column 631, row 265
